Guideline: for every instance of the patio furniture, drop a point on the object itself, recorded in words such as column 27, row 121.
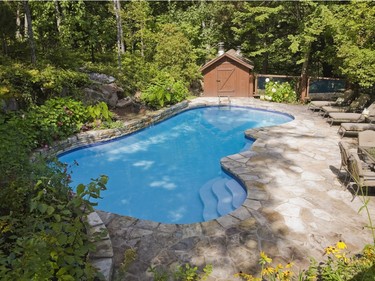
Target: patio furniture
column 366, row 138
column 362, row 178
column 345, row 151
column 346, row 99
column 354, row 128
column 369, row 154
column 346, row 117
column 355, row 106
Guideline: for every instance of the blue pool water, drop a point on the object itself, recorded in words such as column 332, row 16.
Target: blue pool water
column 171, row 172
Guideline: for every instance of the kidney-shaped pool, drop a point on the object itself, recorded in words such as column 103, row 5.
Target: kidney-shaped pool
column 171, row 172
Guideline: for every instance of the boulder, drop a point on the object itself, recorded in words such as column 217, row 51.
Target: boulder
column 102, row 78
column 108, row 93
column 10, row 104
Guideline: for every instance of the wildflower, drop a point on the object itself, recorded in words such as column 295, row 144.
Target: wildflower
column 369, row 252
column 341, row 257
column 273, row 90
column 279, row 266
column 267, row 80
column 269, row 270
column 341, row 245
column 289, row 265
column 286, row 275
column 264, row 258
column 247, row 277
column 330, row 250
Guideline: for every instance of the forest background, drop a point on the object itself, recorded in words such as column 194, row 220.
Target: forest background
column 157, row 48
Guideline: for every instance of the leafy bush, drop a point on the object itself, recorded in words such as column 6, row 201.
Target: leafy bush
column 164, row 90
column 48, row 240
column 99, row 111
column 30, row 86
column 280, row 92
column 42, row 222
column 56, row 119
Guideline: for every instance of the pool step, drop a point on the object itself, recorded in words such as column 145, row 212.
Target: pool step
column 221, row 196
column 238, row 193
column 209, row 201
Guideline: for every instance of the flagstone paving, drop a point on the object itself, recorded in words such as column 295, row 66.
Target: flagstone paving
column 295, row 207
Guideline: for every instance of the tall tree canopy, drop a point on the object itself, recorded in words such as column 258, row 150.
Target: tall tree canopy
column 292, row 38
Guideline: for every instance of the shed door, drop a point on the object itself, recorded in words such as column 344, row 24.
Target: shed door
column 226, row 80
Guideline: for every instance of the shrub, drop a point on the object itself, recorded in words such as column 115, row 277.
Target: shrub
column 42, row 225
column 280, row 92
column 56, row 119
column 30, row 86
column 164, row 90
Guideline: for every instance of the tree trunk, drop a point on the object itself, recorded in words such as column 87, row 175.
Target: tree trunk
column 304, row 74
column 120, row 36
column 4, row 45
column 30, row 31
column 58, row 15
column 18, row 23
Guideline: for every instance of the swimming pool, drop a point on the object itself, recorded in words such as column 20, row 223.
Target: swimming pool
column 171, row 172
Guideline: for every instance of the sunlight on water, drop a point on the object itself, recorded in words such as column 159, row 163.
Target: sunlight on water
column 157, row 173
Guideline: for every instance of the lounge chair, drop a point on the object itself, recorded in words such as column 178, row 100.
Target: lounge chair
column 346, row 99
column 361, row 176
column 345, row 151
column 353, row 129
column 346, row 117
column 366, row 138
column 355, row 106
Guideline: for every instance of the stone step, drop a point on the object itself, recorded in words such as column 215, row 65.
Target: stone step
column 238, row 193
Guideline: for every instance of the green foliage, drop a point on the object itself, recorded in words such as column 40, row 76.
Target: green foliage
column 56, row 119
column 353, row 38
column 34, row 85
column 52, row 242
column 164, row 90
column 42, row 222
column 130, row 256
column 338, row 266
column 99, row 111
column 175, row 55
column 280, row 92
column 182, row 273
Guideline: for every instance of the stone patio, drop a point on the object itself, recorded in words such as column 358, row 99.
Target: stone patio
column 296, row 206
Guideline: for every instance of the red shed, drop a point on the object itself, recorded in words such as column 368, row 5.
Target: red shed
column 229, row 74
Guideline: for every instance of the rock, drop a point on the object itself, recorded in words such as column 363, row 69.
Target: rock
column 10, row 104
column 102, row 78
column 107, row 93
column 196, row 88
column 124, row 102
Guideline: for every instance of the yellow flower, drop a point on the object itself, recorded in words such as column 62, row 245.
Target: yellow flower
column 286, row 275
column 268, row 270
column 341, row 245
column 289, row 265
column 341, row 257
column 279, row 266
column 247, row 277
column 264, row 258
column 330, row 250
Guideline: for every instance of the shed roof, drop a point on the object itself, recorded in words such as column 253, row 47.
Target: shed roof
column 232, row 54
